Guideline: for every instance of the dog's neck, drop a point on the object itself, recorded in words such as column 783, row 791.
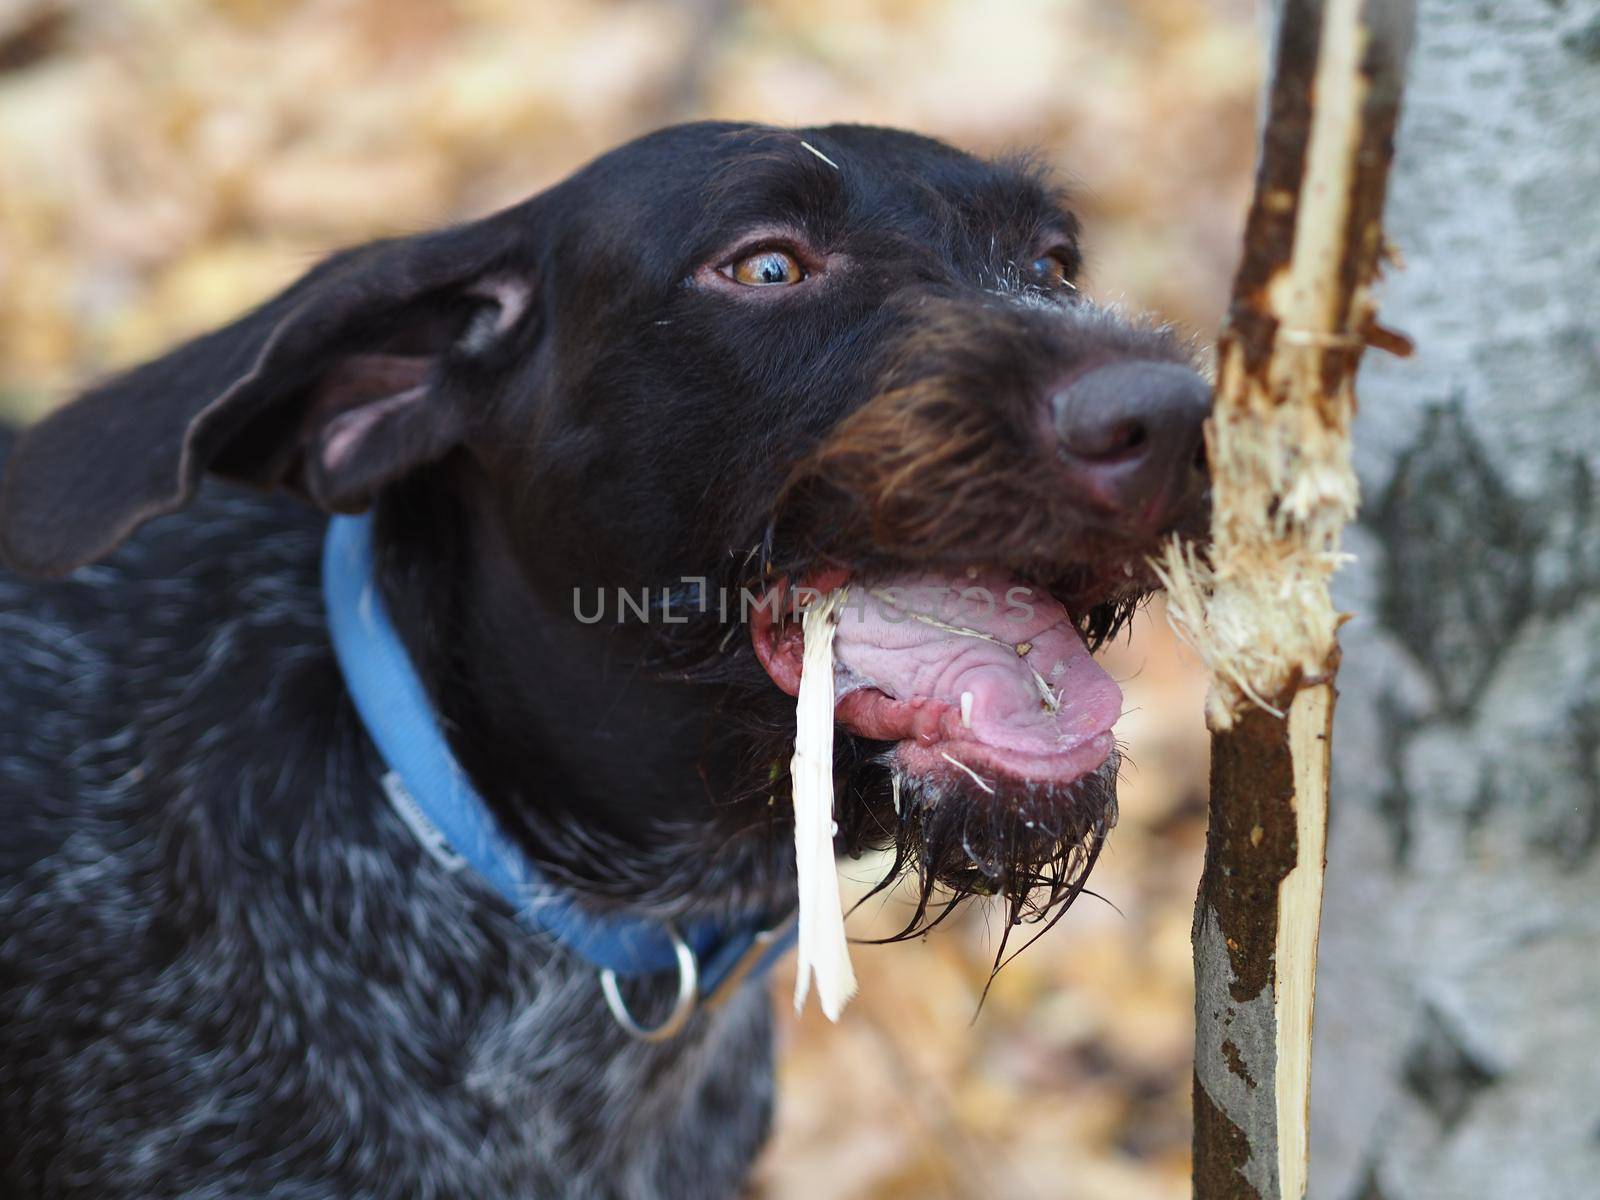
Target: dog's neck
column 604, row 773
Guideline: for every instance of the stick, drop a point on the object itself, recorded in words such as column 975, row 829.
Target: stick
column 1256, row 605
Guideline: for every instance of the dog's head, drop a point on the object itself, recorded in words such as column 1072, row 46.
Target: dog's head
column 729, row 364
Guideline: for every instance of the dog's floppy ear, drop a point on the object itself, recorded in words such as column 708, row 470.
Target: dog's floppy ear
column 332, row 389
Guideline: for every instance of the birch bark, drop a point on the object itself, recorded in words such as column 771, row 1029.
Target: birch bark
column 1458, row 1009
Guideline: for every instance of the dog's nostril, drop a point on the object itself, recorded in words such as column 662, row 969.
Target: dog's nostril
column 1100, row 436
column 1122, row 438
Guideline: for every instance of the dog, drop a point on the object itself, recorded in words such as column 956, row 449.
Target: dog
column 253, row 946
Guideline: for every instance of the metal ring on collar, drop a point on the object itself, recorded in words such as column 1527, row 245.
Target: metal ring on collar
column 682, row 1008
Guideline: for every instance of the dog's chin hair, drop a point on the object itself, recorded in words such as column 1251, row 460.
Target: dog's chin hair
column 1104, row 622
column 1032, row 851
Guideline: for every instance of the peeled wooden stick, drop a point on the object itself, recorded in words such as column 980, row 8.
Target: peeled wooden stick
column 1257, row 604
column 822, row 950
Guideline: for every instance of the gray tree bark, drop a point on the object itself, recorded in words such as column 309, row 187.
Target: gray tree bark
column 1457, row 1050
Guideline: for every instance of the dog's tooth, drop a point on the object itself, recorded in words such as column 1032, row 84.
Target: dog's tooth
column 1022, row 649
column 966, row 710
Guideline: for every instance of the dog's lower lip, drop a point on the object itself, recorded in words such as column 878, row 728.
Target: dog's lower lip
column 929, row 742
column 987, row 767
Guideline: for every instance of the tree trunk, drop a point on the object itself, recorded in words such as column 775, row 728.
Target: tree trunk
column 1458, row 1003
column 1256, row 601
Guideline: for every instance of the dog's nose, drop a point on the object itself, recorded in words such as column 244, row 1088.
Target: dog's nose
column 1131, row 436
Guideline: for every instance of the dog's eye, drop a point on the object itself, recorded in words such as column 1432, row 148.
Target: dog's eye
column 766, row 268
column 1052, row 270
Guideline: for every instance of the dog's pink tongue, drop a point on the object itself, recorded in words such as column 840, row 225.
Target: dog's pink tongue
column 970, row 659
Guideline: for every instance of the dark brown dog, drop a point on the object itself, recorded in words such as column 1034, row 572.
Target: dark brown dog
column 723, row 360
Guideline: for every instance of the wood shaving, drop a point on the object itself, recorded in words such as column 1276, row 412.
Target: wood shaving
column 823, row 951
column 976, row 778
column 930, row 619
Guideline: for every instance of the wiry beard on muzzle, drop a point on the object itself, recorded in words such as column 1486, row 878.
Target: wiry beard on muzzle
column 1030, row 847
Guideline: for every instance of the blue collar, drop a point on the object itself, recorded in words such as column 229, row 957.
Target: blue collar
column 433, row 795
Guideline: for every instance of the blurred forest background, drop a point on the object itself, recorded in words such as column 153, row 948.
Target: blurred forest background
column 167, row 163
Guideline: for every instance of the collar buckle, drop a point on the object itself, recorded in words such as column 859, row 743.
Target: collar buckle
column 762, row 947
